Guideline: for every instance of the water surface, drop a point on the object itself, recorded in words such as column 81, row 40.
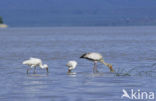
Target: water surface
column 131, row 51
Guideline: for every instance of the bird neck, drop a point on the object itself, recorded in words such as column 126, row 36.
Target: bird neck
column 108, row 65
column 41, row 66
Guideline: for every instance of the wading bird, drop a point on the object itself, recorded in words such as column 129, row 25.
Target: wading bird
column 71, row 65
column 33, row 63
column 96, row 57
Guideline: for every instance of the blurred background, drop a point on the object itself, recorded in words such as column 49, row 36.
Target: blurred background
column 40, row 13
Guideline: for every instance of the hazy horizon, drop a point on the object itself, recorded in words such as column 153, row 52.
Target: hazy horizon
column 20, row 13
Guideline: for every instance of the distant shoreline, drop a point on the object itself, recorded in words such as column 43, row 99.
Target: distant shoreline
column 12, row 27
column 3, row 26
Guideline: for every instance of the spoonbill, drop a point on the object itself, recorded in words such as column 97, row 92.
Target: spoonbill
column 96, row 57
column 33, row 63
column 71, row 65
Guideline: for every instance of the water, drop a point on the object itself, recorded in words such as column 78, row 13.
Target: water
column 131, row 50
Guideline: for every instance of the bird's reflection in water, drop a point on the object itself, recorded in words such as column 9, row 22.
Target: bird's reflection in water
column 37, row 75
column 97, row 74
column 88, row 74
column 72, row 74
column 35, row 83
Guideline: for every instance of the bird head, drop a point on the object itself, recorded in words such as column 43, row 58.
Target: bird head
column 45, row 66
column 70, row 68
column 110, row 67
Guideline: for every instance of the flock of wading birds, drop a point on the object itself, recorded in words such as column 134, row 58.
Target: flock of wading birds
column 93, row 56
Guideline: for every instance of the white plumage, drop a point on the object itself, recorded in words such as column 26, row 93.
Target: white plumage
column 34, row 62
column 93, row 56
column 71, row 65
column 96, row 57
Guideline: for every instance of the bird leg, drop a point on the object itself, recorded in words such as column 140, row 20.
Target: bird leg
column 28, row 70
column 47, row 70
column 95, row 68
column 34, row 69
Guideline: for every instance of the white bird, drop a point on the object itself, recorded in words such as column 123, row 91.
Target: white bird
column 71, row 65
column 96, row 57
column 34, row 62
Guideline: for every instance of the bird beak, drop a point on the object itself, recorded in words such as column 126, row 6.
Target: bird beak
column 47, row 70
column 111, row 68
column 69, row 71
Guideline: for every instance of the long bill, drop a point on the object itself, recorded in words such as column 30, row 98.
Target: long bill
column 108, row 65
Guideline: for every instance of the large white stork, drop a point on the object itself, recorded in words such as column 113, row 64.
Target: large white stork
column 34, row 62
column 96, row 57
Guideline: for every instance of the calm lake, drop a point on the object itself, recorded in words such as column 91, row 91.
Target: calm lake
column 131, row 51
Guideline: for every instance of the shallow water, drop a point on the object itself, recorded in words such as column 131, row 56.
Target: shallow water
column 131, row 50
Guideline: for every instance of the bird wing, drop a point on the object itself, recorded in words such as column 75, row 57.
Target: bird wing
column 25, row 62
column 36, row 59
column 28, row 62
column 69, row 64
column 94, row 56
column 32, row 61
